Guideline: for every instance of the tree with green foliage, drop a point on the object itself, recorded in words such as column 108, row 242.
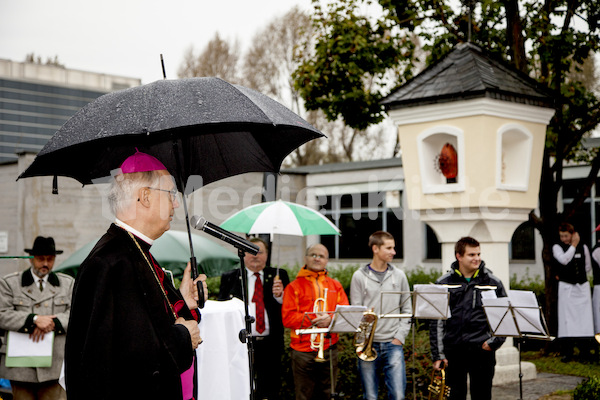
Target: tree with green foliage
column 359, row 57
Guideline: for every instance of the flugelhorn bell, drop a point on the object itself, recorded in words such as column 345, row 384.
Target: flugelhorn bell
column 363, row 340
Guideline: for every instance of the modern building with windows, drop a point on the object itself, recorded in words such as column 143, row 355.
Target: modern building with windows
column 36, row 99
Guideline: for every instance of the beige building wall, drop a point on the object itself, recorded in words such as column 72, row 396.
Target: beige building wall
column 80, row 214
column 482, row 160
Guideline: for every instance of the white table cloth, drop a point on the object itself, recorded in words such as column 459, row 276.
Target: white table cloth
column 223, row 371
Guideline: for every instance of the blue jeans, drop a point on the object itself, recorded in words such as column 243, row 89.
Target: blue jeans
column 390, row 360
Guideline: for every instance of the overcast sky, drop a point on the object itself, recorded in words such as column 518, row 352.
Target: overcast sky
column 126, row 37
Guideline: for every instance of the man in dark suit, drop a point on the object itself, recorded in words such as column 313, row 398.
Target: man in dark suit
column 267, row 332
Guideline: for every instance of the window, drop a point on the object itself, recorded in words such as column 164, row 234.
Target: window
column 358, row 215
column 522, row 244
column 572, row 188
column 433, row 248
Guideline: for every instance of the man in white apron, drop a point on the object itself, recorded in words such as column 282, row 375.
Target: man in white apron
column 596, row 290
column 575, row 317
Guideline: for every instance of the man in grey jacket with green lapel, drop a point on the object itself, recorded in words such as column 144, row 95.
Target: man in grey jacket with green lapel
column 37, row 302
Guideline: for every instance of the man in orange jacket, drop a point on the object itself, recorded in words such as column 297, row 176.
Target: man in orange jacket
column 312, row 374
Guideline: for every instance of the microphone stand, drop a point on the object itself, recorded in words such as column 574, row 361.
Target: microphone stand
column 245, row 335
column 242, row 246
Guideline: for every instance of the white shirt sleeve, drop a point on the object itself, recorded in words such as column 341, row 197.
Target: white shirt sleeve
column 563, row 257
column 596, row 255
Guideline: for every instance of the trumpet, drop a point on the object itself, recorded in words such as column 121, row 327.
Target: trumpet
column 437, row 388
column 364, row 343
column 317, row 340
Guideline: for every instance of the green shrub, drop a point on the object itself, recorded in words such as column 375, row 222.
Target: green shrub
column 418, row 371
column 589, row 389
column 213, row 285
column 535, row 284
column 420, row 276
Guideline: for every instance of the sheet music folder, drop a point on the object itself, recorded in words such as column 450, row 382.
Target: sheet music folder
column 345, row 319
column 517, row 315
column 431, row 301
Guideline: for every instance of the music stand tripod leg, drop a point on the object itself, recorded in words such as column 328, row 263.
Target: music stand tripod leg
column 520, row 372
column 332, row 382
column 414, row 327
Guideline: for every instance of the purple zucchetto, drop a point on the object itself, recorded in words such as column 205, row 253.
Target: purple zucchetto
column 141, row 162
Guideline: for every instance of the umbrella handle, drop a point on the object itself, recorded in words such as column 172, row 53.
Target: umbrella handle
column 193, row 261
column 194, row 265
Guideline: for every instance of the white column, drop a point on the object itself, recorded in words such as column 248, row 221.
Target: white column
column 494, row 237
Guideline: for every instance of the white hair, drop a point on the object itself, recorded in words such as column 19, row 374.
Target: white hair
column 124, row 189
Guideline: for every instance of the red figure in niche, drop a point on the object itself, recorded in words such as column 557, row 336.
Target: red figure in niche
column 447, row 163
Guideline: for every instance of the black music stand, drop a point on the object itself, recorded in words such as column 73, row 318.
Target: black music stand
column 518, row 316
column 428, row 302
column 345, row 319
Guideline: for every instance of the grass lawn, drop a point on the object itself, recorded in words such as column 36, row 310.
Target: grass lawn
column 551, row 363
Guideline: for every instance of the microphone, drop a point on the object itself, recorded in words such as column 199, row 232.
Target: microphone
column 202, row 224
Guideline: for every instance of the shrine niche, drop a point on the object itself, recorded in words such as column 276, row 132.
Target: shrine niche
column 514, row 151
column 440, row 159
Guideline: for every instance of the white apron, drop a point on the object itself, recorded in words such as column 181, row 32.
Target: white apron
column 596, row 307
column 575, row 317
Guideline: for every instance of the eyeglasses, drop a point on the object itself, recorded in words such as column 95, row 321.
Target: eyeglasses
column 319, row 256
column 172, row 192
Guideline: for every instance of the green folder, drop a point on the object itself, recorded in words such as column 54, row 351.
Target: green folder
column 21, row 351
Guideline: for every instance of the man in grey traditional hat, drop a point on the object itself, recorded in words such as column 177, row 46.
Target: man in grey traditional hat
column 37, row 302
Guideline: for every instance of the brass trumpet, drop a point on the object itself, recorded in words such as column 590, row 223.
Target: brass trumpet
column 364, row 344
column 437, row 388
column 317, row 340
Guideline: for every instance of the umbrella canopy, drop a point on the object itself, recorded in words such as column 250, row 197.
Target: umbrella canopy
column 280, row 217
column 205, row 128
column 172, row 251
column 201, row 129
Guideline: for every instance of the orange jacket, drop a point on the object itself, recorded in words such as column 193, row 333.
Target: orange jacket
column 299, row 297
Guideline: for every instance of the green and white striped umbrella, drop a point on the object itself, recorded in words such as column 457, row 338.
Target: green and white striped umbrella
column 172, row 251
column 280, row 217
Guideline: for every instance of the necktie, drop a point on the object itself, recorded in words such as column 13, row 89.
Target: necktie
column 41, row 285
column 260, row 304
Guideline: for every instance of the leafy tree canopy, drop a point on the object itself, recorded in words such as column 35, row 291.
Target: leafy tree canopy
column 359, row 57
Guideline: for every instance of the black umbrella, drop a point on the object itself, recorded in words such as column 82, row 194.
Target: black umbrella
column 202, row 129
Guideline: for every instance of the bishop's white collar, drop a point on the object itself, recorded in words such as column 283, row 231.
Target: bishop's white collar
column 134, row 231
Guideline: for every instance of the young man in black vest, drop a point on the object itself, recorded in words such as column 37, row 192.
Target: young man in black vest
column 575, row 318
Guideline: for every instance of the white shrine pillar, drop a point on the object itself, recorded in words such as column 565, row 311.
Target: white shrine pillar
column 472, row 168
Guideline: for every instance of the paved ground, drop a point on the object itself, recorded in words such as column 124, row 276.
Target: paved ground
column 536, row 389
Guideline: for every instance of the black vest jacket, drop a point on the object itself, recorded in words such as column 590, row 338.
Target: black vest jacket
column 574, row 271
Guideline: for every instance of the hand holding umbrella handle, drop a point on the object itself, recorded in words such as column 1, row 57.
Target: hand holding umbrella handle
column 199, row 284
